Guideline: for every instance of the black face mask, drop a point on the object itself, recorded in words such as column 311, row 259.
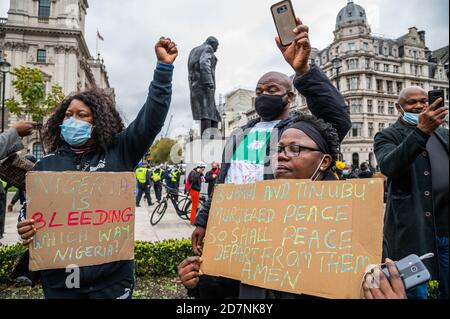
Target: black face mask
column 269, row 107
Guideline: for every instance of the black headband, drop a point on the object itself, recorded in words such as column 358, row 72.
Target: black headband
column 314, row 134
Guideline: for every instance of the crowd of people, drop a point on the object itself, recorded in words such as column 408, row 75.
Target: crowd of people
column 86, row 133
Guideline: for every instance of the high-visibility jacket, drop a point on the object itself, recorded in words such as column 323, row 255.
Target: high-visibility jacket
column 157, row 175
column 174, row 175
column 3, row 183
column 141, row 175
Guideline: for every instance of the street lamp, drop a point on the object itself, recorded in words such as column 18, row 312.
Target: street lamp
column 4, row 68
column 337, row 65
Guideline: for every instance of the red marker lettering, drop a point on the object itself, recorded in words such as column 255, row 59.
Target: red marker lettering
column 86, row 220
column 73, row 221
column 39, row 219
column 52, row 220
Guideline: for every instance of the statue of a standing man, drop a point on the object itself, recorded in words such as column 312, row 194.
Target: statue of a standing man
column 202, row 82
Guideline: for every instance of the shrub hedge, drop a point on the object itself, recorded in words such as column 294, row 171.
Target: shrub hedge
column 9, row 256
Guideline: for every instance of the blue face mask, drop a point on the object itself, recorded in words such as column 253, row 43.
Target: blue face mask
column 410, row 118
column 76, row 132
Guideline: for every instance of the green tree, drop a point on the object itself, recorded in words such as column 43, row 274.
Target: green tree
column 160, row 151
column 29, row 84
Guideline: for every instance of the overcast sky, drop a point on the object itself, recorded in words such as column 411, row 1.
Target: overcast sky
column 246, row 34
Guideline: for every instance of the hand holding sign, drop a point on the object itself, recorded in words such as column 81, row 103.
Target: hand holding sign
column 303, row 237
column 26, row 231
column 79, row 218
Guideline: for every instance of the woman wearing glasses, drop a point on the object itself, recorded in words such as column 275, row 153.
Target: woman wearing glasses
column 308, row 149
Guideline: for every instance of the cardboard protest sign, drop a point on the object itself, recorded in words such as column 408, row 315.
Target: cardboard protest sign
column 81, row 218
column 303, row 237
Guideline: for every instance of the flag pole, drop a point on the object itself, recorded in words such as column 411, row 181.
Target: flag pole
column 96, row 43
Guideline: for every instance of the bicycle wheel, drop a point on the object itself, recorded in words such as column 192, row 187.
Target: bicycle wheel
column 158, row 213
column 185, row 208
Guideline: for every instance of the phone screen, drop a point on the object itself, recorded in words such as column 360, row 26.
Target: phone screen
column 434, row 95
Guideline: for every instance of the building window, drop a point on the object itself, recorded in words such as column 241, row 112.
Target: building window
column 369, row 82
column 380, row 86
column 351, row 47
column 38, row 151
column 371, row 129
column 386, row 50
column 395, row 52
column 381, row 107
column 386, row 68
column 390, row 87
column 356, row 106
column 381, row 127
column 377, row 66
column 366, row 46
column 369, row 106
column 357, row 129
column 391, row 108
column 353, row 83
column 355, row 160
column 367, row 64
column 352, row 64
column 396, row 69
column 44, row 8
column 399, row 87
column 41, row 56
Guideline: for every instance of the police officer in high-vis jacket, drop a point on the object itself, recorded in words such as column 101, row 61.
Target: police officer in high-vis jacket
column 143, row 180
column 156, row 177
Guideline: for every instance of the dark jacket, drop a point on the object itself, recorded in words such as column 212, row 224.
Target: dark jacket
column 211, row 181
column 195, row 180
column 129, row 148
column 324, row 101
column 409, row 225
column 365, row 174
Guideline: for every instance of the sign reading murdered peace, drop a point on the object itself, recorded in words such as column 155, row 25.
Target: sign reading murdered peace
column 81, row 219
column 303, row 237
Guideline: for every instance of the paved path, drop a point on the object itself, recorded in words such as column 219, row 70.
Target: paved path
column 170, row 226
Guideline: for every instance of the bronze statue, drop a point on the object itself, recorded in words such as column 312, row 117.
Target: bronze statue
column 202, row 83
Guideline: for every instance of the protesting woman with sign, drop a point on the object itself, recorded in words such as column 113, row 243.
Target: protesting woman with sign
column 86, row 133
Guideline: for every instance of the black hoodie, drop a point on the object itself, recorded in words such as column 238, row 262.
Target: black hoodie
column 129, row 148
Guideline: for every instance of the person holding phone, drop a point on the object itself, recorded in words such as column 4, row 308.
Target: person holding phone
column 86, row 133
column 274, row 95
column 413, row 154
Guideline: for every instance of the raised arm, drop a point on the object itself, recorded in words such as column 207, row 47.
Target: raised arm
column 135, row 141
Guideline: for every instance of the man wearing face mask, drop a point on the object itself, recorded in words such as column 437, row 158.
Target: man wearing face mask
column 247, row 154
column 413, row 154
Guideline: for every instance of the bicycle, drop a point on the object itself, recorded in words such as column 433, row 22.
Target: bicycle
column 182, row 207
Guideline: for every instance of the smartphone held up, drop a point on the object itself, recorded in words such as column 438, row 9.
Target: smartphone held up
column 434, row 95
column 285, row 21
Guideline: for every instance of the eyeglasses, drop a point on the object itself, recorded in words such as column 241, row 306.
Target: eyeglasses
column 292, row 151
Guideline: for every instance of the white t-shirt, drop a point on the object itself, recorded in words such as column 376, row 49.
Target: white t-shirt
column 247, row 164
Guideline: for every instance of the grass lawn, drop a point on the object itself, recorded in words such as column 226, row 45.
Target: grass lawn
column 146, row 288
